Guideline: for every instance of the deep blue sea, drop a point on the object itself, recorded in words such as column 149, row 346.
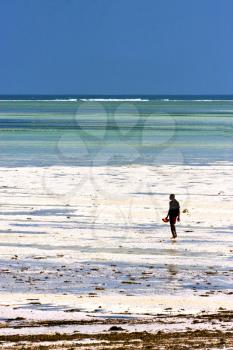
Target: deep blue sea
column 115, row 130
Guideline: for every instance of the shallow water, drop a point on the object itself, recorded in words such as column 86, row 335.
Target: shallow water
column 94, row 236
column 94, row 133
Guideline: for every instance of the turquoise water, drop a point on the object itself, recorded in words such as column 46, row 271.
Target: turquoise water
column 44, row 133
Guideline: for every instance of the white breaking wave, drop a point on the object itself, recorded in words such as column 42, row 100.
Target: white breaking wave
column 113, row 99
column 30, row 100
column 81, row 99
column 191, row 100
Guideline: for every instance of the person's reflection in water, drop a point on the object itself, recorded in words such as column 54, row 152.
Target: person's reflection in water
column 172, row 275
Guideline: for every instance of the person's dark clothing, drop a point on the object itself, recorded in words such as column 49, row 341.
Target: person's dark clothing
column 174, row 211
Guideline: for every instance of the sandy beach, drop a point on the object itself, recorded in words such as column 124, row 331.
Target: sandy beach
column 116, row 163
column 84, row 249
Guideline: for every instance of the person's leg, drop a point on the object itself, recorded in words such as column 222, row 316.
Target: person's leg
column 173, row 229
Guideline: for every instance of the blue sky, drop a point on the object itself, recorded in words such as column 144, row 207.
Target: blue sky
column 116, row 47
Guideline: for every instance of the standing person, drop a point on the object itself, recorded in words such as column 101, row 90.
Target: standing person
column 173, row 214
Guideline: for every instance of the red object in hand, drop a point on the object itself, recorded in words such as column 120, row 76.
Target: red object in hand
column 165, row 220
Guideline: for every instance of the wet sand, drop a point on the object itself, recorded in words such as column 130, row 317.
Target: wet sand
column 88, row 245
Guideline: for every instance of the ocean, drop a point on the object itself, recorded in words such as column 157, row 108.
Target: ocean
column 115, row 130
